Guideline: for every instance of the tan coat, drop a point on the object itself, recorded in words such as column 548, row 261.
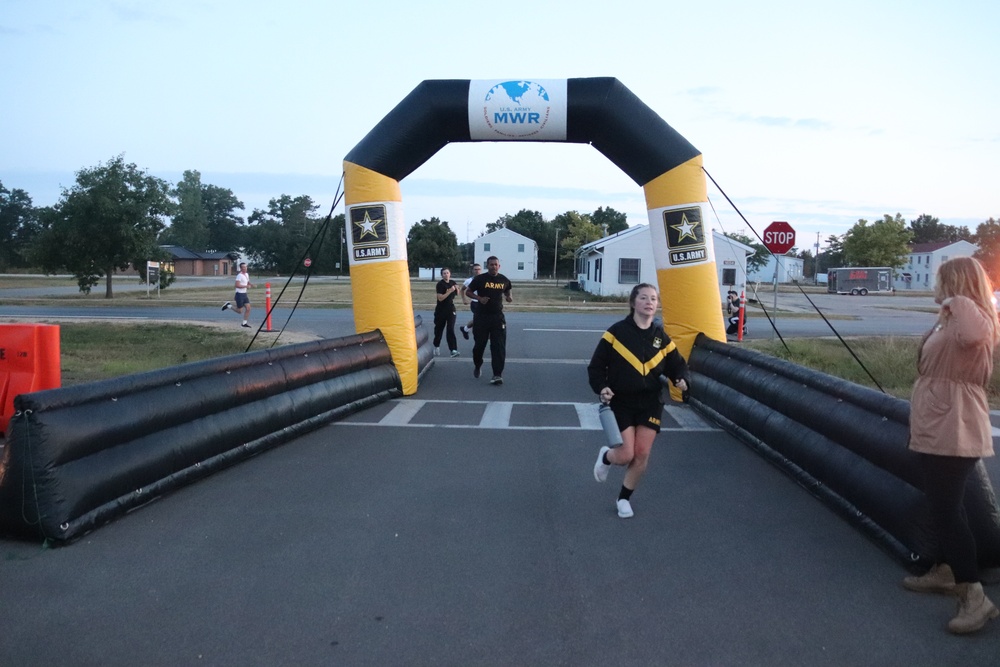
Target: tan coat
column 949, row 413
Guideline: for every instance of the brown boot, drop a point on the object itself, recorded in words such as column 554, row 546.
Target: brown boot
column 939, row 579
column 974, row 609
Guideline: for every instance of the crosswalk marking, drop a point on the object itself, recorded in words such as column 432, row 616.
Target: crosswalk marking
column 497, row 415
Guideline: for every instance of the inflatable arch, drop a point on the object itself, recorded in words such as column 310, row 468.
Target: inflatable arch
column 598, row 111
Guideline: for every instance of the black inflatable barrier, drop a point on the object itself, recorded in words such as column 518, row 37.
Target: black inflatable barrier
column 79, row 456
column 845, row 443
column 425, row 351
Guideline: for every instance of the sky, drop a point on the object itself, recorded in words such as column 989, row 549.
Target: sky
column 815, row 115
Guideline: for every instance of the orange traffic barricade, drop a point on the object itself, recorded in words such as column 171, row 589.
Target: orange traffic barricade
column 29, row 361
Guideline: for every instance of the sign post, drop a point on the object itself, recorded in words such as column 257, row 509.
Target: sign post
column 779, row 238
column 152, row 274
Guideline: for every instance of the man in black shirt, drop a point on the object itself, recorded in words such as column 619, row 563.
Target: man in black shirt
column 490, row 289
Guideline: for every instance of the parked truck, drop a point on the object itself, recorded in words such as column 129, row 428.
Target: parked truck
column 859, row 280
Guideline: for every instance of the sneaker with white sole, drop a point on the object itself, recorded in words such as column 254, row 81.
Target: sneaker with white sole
column 601, row 468
column 245, row 325
column 227, row 305
column 465, row 332
column 455, row 353
column 496, row 380
column 624, row 508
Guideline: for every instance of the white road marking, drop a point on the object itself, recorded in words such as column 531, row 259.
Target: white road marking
column 497, row 414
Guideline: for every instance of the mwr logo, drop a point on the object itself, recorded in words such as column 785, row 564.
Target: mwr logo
column 517, row 109
column 685, row 235
column 369, row 232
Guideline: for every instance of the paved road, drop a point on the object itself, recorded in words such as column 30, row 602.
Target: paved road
column 849, row 316
column 462, row 526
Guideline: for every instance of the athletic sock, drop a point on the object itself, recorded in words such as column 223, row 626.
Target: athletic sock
column 626, row 493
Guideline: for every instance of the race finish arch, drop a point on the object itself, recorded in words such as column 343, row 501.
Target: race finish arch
column 597, row 111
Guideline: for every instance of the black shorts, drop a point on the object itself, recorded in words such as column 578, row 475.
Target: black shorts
column 645, row 413
column 241, row 299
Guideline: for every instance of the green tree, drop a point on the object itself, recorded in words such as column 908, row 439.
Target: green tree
column 189, row 227
column 760, row 255
column 833, row 256
column 611, row 220
column 528, row 223
column 882, row 243
column 988, row 239
column 18, row 227
column 580, row 230
column 224, row 226
column 111, row 216
column 928, row 229
column 431, row 243
column 277, row 238
column 808, row 263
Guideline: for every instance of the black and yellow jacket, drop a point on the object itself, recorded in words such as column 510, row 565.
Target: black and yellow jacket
column 631, row 360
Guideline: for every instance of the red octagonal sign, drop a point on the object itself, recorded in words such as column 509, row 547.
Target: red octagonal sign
column 779, row 237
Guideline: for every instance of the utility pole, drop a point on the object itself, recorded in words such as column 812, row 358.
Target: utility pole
column 555, row 255
column 816, row 262
column 343, row 240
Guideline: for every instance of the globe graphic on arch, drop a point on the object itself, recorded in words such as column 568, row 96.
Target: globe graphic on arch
column 518, row 93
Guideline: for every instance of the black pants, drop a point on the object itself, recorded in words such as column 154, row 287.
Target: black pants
column 445, row 322
column 944, row 484
column 490, row 327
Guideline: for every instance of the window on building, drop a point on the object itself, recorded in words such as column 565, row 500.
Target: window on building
column 628, row 271
column 520, row 247
column 486, row 247
column 919, row 260
column 520, row 266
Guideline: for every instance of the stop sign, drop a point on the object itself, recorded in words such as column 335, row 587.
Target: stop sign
column 779, row 237
column 308, row 262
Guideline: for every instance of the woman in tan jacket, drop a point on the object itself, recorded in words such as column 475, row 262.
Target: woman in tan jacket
column 950, row 429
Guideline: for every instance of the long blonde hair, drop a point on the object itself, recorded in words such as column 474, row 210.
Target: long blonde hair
column 965, row 276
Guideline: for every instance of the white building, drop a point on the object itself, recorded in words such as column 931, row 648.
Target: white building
column 615, row 264
column 518, row 254
column 921, row 268
column 789, row 269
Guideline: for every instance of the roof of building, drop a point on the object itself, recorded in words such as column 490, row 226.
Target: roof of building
column 593, row 245
column 931, row 247
column 503, row 231
column 180, row 252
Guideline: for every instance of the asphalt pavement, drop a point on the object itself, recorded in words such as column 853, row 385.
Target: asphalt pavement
column 463, row 526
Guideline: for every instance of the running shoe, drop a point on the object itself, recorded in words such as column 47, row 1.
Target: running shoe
column 601, row 468
column 624, row 508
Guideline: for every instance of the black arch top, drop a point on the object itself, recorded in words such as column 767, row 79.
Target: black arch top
column 601, row 112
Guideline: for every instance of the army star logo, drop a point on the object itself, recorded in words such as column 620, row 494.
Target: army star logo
column 686, row 229
column 367, row 226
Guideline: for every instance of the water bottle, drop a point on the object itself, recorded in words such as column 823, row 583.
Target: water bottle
column 610, row 425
